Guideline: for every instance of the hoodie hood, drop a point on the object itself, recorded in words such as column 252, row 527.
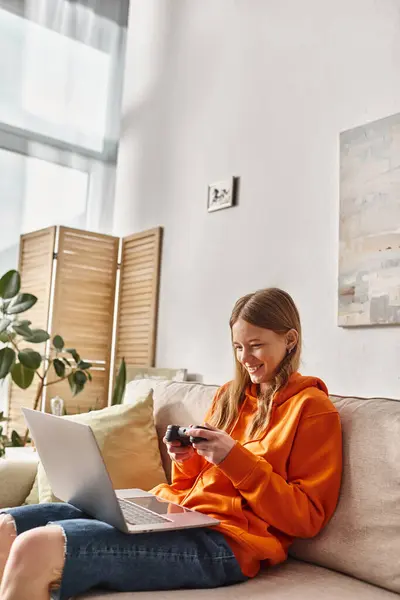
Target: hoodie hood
column 297, row 383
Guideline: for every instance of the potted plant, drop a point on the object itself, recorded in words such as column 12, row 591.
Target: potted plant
column 26, row 366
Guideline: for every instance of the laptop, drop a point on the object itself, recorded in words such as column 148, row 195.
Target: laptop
column 77, row 474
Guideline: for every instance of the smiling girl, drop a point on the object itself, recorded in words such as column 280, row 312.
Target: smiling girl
column 269, row 470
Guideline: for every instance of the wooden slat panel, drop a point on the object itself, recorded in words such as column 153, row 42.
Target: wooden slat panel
column 36, row 254
column 143, row 258
column 138, row 298
column 84, row 307
column 145, row 287
column 144, row 242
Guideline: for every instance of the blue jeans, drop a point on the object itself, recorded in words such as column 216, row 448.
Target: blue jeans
column 100, row 556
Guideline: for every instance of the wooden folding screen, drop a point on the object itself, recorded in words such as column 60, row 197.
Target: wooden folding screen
column 84, row 296
column 36, row 252
column 82, row 299
column 138, row 298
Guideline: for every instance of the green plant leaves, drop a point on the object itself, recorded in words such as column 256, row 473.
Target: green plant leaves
column 22, row 376
column 13, row 302
column 82, row 364
column 34, row 336
column 74, row 354
column 30, row 358
column 120, row 383
column 10, row 284
column 58, row 342
column 77, row 381
column 38, row 336
column 22, row 329
column 59, row 367
column 4, row 323
column 16, row 440
column 80, row 378
column 7, row 336
column 20, row 304
column 75, row 387
column 23, row 322
column 7, row 359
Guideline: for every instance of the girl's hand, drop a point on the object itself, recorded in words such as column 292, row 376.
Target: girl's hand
column 177, row 452
column 218, row 444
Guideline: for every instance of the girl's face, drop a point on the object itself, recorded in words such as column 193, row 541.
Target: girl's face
column 260, row 350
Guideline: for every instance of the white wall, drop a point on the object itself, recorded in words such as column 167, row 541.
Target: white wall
column 259, row 89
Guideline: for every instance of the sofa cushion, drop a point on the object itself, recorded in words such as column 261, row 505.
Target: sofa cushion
column 128, row 442
column 16, row 479
column 363, row 537
column 289, row 581
column 175, row 403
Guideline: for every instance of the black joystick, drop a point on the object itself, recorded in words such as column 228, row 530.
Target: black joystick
column 175, row 433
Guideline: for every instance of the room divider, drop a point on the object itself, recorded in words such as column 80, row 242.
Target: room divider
column 100, row 293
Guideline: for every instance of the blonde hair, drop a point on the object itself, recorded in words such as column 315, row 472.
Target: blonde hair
column 272, row 309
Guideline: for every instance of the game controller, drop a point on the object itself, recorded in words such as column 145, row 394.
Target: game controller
column 175, row 433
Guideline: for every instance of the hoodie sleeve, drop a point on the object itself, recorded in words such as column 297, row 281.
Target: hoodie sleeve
column 301, row 505
column 184, row 474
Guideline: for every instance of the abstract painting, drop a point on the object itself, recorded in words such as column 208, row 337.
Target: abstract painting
column 369, row 248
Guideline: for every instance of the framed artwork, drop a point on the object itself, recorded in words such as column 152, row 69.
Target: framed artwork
column 369, row 248
column 222, row 194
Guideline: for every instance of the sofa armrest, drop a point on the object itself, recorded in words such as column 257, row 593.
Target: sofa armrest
column 16, row 481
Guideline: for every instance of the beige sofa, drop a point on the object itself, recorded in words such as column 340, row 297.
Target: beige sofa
column 358, row 553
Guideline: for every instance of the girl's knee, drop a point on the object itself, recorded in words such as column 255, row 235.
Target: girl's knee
column 7, row 526
column 41, row 550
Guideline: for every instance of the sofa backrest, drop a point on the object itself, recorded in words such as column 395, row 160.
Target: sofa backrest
column 363, row 537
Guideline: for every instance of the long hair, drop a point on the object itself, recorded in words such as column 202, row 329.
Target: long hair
column 272, row 309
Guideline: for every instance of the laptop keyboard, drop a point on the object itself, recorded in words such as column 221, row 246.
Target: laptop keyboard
column 136, row 515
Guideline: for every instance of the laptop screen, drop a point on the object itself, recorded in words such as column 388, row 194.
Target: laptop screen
column 157, row 505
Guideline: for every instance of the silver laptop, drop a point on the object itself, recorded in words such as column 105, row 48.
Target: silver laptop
column 77, row 474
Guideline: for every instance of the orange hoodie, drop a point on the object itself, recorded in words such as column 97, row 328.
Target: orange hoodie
column 270, row 490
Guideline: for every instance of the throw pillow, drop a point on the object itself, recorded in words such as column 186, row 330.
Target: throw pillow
column 128, row 442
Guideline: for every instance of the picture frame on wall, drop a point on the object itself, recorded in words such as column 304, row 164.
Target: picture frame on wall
column 222, row 194
column 369, row 243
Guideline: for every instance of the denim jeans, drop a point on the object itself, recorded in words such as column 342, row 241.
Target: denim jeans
column 100, row 556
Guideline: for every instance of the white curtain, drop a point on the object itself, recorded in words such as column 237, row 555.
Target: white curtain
column 61, row 67
column 80, row 88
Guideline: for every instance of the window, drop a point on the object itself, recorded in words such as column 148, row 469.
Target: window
column 61, row 68
column 53, row 85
